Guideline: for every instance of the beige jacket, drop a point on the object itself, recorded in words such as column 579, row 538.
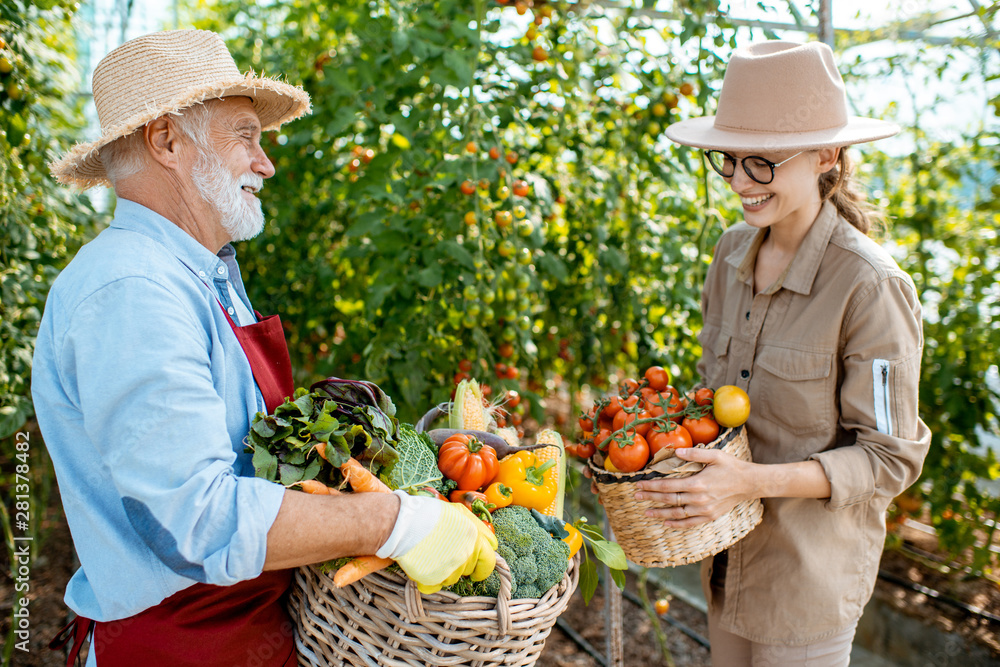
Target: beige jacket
column 830, row 357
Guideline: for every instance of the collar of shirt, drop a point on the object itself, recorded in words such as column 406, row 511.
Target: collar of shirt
column 203, row 262
column 801, row 271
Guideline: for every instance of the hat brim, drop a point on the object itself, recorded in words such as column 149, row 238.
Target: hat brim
column 276, row 103
column 702, row 133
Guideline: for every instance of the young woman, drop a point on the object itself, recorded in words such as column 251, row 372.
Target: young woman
column 822, row 329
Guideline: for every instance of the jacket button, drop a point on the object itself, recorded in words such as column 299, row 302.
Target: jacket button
column 744, row 374
column 748, row 315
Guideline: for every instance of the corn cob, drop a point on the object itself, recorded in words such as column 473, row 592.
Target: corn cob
column 555, row 451
column 468, row 410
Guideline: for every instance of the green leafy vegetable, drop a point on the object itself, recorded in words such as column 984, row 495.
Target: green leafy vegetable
column 341, row 419
column 417, row 462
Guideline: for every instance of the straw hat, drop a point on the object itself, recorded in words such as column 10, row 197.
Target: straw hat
column 779, row 96
column 163, row 73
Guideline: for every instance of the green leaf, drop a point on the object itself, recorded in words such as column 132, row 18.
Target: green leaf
column 429, row 277
column 588, row 579
column 610, row 553
column 458, row 253
column 265, row 464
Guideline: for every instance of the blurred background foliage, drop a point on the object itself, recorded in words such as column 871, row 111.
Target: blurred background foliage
column 484, row 189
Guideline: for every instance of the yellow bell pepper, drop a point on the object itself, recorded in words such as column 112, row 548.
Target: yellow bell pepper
column 532, row 485
column 574, row 539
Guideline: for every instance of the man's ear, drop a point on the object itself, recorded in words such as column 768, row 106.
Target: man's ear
column 164, row 143
column 827, row 159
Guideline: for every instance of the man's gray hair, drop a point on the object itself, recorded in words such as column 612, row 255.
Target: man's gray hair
column 126, row 156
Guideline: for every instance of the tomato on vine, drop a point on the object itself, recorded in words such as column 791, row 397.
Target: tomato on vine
column 468, row 187
column 703, row 430
column 657, row 377
column 674, row 438
column 631, row 455
column 704, row 396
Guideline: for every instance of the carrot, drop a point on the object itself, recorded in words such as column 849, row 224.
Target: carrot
column 359, row 568
column 361, row 479
column 316, row 487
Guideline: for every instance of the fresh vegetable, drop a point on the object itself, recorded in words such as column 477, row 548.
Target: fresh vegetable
column 317, row 488
column 341, row 419
column 358, row 568
column 629, row 455
column 662, row 606
column 534, row 484
column 731, row 406
column 416, row 466
column 554, row 451
column 674, row 437
column 703, row 430
column 499, row 495
column 361, row 479
column 574, row 539
column 537, row 560
column 468, row 461
column 468, row 410
column 477, row 503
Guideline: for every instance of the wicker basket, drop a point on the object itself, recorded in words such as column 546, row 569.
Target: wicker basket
column 644, row 539
column 384, row 621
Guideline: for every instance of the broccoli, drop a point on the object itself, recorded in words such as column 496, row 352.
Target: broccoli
column 489, row 587
column 537, row 560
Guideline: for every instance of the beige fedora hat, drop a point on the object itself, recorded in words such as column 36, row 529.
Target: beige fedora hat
column 163, row 73
column 779, row 96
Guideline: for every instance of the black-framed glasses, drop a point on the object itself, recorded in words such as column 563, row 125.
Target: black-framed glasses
column 757, row 168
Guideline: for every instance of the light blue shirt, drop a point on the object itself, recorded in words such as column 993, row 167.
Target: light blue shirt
column 144, row 396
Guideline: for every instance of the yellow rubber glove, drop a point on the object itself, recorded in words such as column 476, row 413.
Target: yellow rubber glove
column 437, row 542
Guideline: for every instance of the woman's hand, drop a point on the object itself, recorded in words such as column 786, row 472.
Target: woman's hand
column 710, row 493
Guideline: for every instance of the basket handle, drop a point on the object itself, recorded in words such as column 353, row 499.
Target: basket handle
column 415, row 605
column 437, row 411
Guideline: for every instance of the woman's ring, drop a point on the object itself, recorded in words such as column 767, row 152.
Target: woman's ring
column 677, row 499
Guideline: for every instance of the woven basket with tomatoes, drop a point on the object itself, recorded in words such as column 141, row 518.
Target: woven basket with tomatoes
column 632, row 435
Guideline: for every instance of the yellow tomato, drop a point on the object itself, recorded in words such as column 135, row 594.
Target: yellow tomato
column 731, row 406
column 609, row 466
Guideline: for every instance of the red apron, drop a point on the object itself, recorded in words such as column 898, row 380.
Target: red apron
column 206, row 625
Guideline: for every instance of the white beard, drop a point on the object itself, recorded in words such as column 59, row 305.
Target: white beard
column 241, row 219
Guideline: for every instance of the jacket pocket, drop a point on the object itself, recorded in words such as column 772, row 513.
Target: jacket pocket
column 717, row 358
column 797, row 387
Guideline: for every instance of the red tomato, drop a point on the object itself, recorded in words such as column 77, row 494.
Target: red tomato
column 704, row 396
column 631, row 455
column 602, row 439
column 586, row 421
column 673, row 439
column 612, row 408
column 584, row 450
column 657, row 377
column 468, row 187
column 703, row 430
column 513, row 399
column 630, row 386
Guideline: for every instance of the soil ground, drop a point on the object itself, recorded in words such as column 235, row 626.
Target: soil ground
column 53, row 566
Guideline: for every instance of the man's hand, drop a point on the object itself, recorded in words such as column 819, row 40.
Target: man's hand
column 437, row 542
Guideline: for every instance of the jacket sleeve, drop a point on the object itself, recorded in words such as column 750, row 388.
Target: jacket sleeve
column 878, row 397
column 144, row 370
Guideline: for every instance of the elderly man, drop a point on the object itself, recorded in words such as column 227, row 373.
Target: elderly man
column 150, row 363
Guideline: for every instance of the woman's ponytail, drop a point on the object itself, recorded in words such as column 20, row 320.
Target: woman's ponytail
column 838, row 186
